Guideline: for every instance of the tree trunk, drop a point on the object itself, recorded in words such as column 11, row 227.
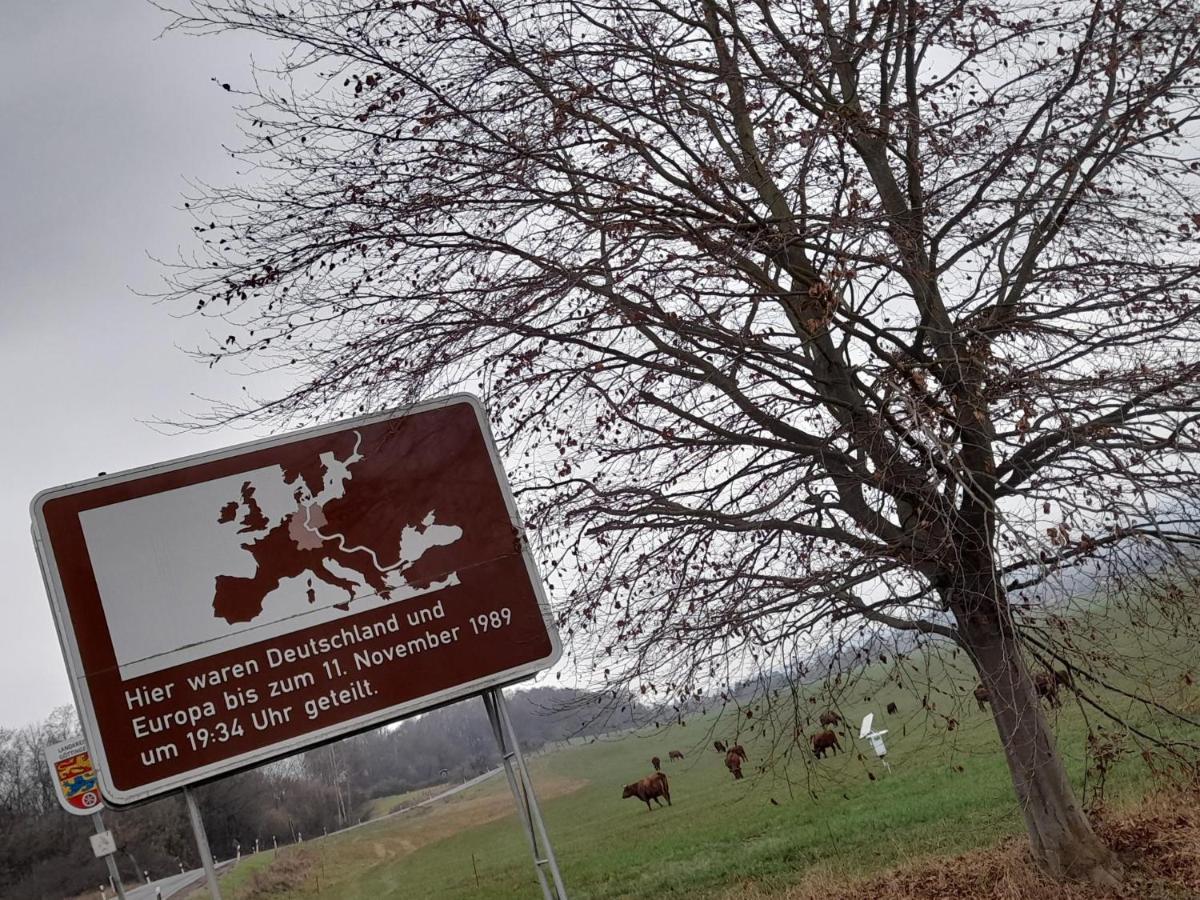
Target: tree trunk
column 1060, row 836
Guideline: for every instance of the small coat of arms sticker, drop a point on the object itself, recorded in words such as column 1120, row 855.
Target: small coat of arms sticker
column 71, row 765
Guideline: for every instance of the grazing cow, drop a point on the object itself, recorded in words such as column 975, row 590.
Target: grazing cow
column 892, row 709
column 1044, row 683
column 824, row 741
column 1046, row 686
column 649, row 788
column 720, row 746
column 982, row 695
column 675, row 754
column 1063, row 677
column 656, row 762
column 733, row 762
column 740, row 751
column 830, row 718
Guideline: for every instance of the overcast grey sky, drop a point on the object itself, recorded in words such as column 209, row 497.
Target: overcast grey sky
column 102, row 123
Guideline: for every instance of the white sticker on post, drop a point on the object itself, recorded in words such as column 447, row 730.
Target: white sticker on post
column 103, row 844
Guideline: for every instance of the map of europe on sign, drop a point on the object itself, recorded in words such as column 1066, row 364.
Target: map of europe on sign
column 287, row 542
column 225, row 609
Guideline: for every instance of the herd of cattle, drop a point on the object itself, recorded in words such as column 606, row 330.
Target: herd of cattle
column 1045, row 683
column 655, row 786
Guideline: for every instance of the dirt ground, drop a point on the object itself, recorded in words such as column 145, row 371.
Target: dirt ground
column 1158, row 843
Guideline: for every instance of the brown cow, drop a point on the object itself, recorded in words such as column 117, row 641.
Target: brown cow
column 733, row 762
column 740, row 751
column 1046, row 685
column 675, row 754
column 824, row 741
column 656, row 762
column 830, row 718
column 649, row 788
column 892, row 709
column 982, row 695
column 720, row 746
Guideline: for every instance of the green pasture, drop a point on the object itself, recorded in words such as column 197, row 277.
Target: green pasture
column 948, row 791
column 382, row 806
column 234, row 881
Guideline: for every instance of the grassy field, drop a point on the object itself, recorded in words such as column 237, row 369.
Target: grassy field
column 948, row 791
column 381, row 806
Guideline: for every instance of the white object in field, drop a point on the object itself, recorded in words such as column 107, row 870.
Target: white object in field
column 875, row 737
column 868, row 720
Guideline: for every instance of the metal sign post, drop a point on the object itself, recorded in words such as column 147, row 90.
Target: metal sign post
column 114, row 875
column 876, row 738
column 522, row 788
column 206, row 860
column 71, row 768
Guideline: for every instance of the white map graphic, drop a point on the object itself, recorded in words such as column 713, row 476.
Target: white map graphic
column 238, row 559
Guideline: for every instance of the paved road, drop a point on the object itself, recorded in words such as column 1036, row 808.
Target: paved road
column 478, row 779
column 176, row 885
column 172, row 885
column 442, row 796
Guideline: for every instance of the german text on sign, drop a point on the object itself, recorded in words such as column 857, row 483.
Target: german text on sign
column 228, row 608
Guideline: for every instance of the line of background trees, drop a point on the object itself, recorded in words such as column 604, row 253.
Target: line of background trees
column 45, row 853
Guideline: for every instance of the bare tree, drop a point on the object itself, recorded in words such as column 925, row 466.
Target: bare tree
column 792, row 316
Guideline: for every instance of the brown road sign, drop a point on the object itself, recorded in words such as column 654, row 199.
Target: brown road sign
column 223, row 610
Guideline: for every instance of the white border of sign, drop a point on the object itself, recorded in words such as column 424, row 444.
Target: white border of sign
column 70, row 649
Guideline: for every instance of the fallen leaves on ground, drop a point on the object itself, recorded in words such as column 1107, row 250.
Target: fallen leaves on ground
column 1158, row 843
